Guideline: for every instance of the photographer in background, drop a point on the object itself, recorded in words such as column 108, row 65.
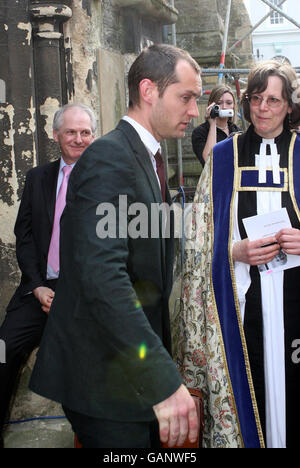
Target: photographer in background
column 219, row 122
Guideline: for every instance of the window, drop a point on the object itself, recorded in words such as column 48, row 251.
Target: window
column 276, row 17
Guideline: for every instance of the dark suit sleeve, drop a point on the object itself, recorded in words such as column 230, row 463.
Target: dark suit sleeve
column 100, row 266
column 199, row 138
column 26, row 250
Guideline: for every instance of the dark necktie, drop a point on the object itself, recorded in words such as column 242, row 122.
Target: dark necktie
column 160, row 169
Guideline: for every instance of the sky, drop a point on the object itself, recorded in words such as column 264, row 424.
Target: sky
column 247, row 3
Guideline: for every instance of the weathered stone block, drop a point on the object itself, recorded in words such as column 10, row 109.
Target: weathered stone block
column 35, row 421
column 111, row 89
column 9, row 275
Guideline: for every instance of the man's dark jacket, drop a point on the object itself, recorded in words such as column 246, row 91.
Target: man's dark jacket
column 33, row 229
column 105, row 350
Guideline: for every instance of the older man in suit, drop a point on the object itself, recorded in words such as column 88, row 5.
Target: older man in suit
column 105, row 354
column 37, row 237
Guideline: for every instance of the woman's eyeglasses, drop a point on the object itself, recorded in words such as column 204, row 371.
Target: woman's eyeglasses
column 272, row 102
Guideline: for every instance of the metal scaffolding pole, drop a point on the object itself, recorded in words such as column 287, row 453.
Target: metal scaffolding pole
column 179, row 144
column 216, row 71
column 252, row 29
column 232, row 71
column 289, row 18
column 225, row 39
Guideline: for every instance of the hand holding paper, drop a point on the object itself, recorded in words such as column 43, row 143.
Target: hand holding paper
column 275, row 225
column 257, row 252
column 289, row 240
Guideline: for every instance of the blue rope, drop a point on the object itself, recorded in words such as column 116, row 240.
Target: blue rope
column 182, row 193
column 38, row 418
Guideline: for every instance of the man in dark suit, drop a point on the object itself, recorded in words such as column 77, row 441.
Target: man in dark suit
column 74, row 128
column 105, row 354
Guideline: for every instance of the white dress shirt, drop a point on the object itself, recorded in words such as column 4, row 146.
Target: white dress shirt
column 152, row 145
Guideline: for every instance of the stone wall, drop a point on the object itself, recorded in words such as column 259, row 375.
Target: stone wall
column 17, row 131
column 200, row 29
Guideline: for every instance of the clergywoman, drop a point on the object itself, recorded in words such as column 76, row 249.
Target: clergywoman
column 238, row 328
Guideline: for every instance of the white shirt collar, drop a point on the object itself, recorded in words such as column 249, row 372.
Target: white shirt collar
column 63, row 164
column 147, row 138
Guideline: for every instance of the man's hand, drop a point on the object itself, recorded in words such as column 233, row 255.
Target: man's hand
column 177, row 417
column 45, row 296
column 255, row 253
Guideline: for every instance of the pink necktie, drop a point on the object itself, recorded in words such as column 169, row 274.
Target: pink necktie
column 53, row 254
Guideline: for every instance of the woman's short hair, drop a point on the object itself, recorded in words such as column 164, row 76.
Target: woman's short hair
column 217, row 92
column 59, row 115
column 258, row 83
column 157, row 63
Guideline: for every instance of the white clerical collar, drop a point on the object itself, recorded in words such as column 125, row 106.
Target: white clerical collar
column 263, row 161
column 147, row 138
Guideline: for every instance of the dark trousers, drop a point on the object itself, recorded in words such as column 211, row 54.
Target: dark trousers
column 21, row 331
column 102, row 433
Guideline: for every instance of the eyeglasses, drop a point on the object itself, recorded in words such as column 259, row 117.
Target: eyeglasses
column 272, row 102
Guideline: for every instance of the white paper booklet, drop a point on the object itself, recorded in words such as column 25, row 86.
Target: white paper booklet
column 267, row 225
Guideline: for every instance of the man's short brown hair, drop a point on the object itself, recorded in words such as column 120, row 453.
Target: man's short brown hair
column 156, row 63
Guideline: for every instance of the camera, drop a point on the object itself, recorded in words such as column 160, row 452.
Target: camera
column 217, row 112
